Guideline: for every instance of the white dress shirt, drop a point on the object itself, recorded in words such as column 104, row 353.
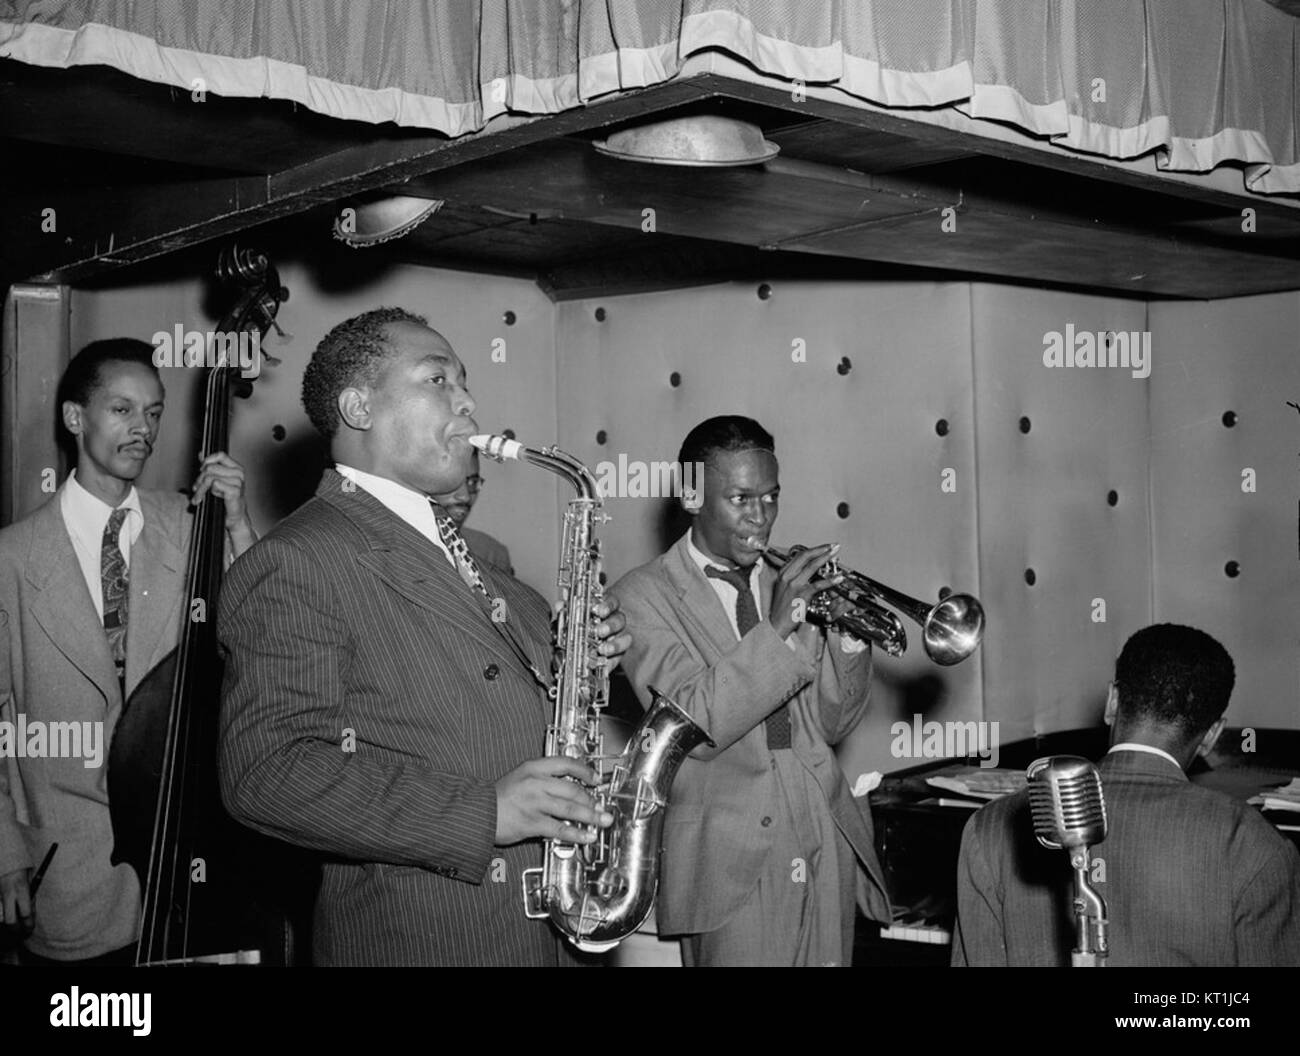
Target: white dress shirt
column 410, row 505
column 86, row 517
column 1133, row 746
column 726, row 593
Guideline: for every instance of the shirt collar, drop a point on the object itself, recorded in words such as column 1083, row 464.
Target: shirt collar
column 704, row 561
column 89, row 514
column 1133, row 746
column 410, row 505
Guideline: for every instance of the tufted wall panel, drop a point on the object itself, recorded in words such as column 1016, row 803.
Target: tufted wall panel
column 1238, row 357
column 1043, row 502
column 864, row 434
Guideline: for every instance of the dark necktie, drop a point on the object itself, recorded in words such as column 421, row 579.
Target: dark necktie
column 113, row 583
column 455, row 542
column 778, row 723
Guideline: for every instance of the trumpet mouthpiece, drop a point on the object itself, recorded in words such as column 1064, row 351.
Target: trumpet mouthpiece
column 497, row 447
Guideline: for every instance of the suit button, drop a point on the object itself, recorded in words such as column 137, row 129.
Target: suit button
column 491, row 671
column 451, row 873
column 766, row 822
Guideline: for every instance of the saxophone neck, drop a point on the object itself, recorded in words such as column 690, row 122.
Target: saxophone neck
column 552, row 459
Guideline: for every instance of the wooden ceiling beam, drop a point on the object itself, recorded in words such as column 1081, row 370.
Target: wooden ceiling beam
column 942, row 140
column 807, row 207
column 139, row 223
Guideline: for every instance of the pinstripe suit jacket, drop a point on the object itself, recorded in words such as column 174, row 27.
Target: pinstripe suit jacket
column 368, row 708
column 1191, row 878
column 715, row 838
column 55, row 666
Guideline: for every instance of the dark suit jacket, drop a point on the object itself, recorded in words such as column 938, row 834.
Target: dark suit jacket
column 55, row 666
column 1191, row 878
column 369, row 706
column 715, row 840
column 487, row 548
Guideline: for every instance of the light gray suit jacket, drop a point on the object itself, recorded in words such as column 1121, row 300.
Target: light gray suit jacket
column 715, row 841
column 55, row 666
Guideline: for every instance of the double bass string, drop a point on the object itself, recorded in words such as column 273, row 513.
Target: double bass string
column 167, row 753
column 210, row 559
column 167, row 861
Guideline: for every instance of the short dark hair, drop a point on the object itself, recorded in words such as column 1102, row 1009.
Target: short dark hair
column 350, row 353
column 1174, row 675
column 84, row 373
column 727, row 432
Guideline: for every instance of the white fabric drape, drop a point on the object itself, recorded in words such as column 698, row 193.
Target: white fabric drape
column 1200, row 82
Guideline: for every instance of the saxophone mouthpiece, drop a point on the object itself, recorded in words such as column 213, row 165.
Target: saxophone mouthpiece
column 497, row 447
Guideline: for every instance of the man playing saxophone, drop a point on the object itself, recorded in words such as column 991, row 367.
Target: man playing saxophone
column 765, row 848
column 384, row 700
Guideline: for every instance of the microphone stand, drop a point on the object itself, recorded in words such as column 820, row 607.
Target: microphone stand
column 1090, row 948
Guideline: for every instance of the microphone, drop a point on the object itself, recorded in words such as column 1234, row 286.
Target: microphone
column 1066, row 802
column 1069, row 814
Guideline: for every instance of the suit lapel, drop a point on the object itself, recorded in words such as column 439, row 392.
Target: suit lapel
column 413, row 566
column 537, row 654
column 158, row 574
column 63, row 606
column 700, row 604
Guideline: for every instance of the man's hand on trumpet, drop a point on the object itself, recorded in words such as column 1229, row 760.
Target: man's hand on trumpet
column 797, row 584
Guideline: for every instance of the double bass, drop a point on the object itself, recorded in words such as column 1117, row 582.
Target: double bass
column 212, row 892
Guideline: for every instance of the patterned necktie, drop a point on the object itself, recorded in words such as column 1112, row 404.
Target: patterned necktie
column 778, row 723
column 455, row 542
column 113, row 582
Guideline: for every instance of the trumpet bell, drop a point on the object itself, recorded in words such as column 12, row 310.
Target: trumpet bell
column 953, row 629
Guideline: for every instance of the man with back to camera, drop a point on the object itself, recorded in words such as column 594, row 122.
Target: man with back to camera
column 1192, row 877
column 385, row 699
column 91, row 590
column 765, row 848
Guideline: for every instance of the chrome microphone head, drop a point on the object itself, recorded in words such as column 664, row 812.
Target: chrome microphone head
column 1066, row 802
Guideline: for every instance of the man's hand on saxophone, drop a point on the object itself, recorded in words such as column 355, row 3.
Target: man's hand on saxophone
column 539, row 798
column 615, row 641
column 543, row 797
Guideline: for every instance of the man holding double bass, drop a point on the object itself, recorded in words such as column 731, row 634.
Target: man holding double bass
column 91, row 589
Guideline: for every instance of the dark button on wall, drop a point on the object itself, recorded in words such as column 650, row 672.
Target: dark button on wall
column 491, row 671
column 766, row 822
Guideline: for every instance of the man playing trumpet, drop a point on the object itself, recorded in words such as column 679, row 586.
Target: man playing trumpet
column 765, row 848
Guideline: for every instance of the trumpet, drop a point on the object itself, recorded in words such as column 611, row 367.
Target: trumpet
column 951, row 629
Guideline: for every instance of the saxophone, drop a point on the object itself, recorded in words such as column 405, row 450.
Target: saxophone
column 597, row 894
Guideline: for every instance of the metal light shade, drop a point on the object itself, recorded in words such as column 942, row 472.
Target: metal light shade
column 385, row 219
column 705, row 141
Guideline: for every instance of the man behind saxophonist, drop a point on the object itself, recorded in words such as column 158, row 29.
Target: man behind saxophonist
column 765, row 848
